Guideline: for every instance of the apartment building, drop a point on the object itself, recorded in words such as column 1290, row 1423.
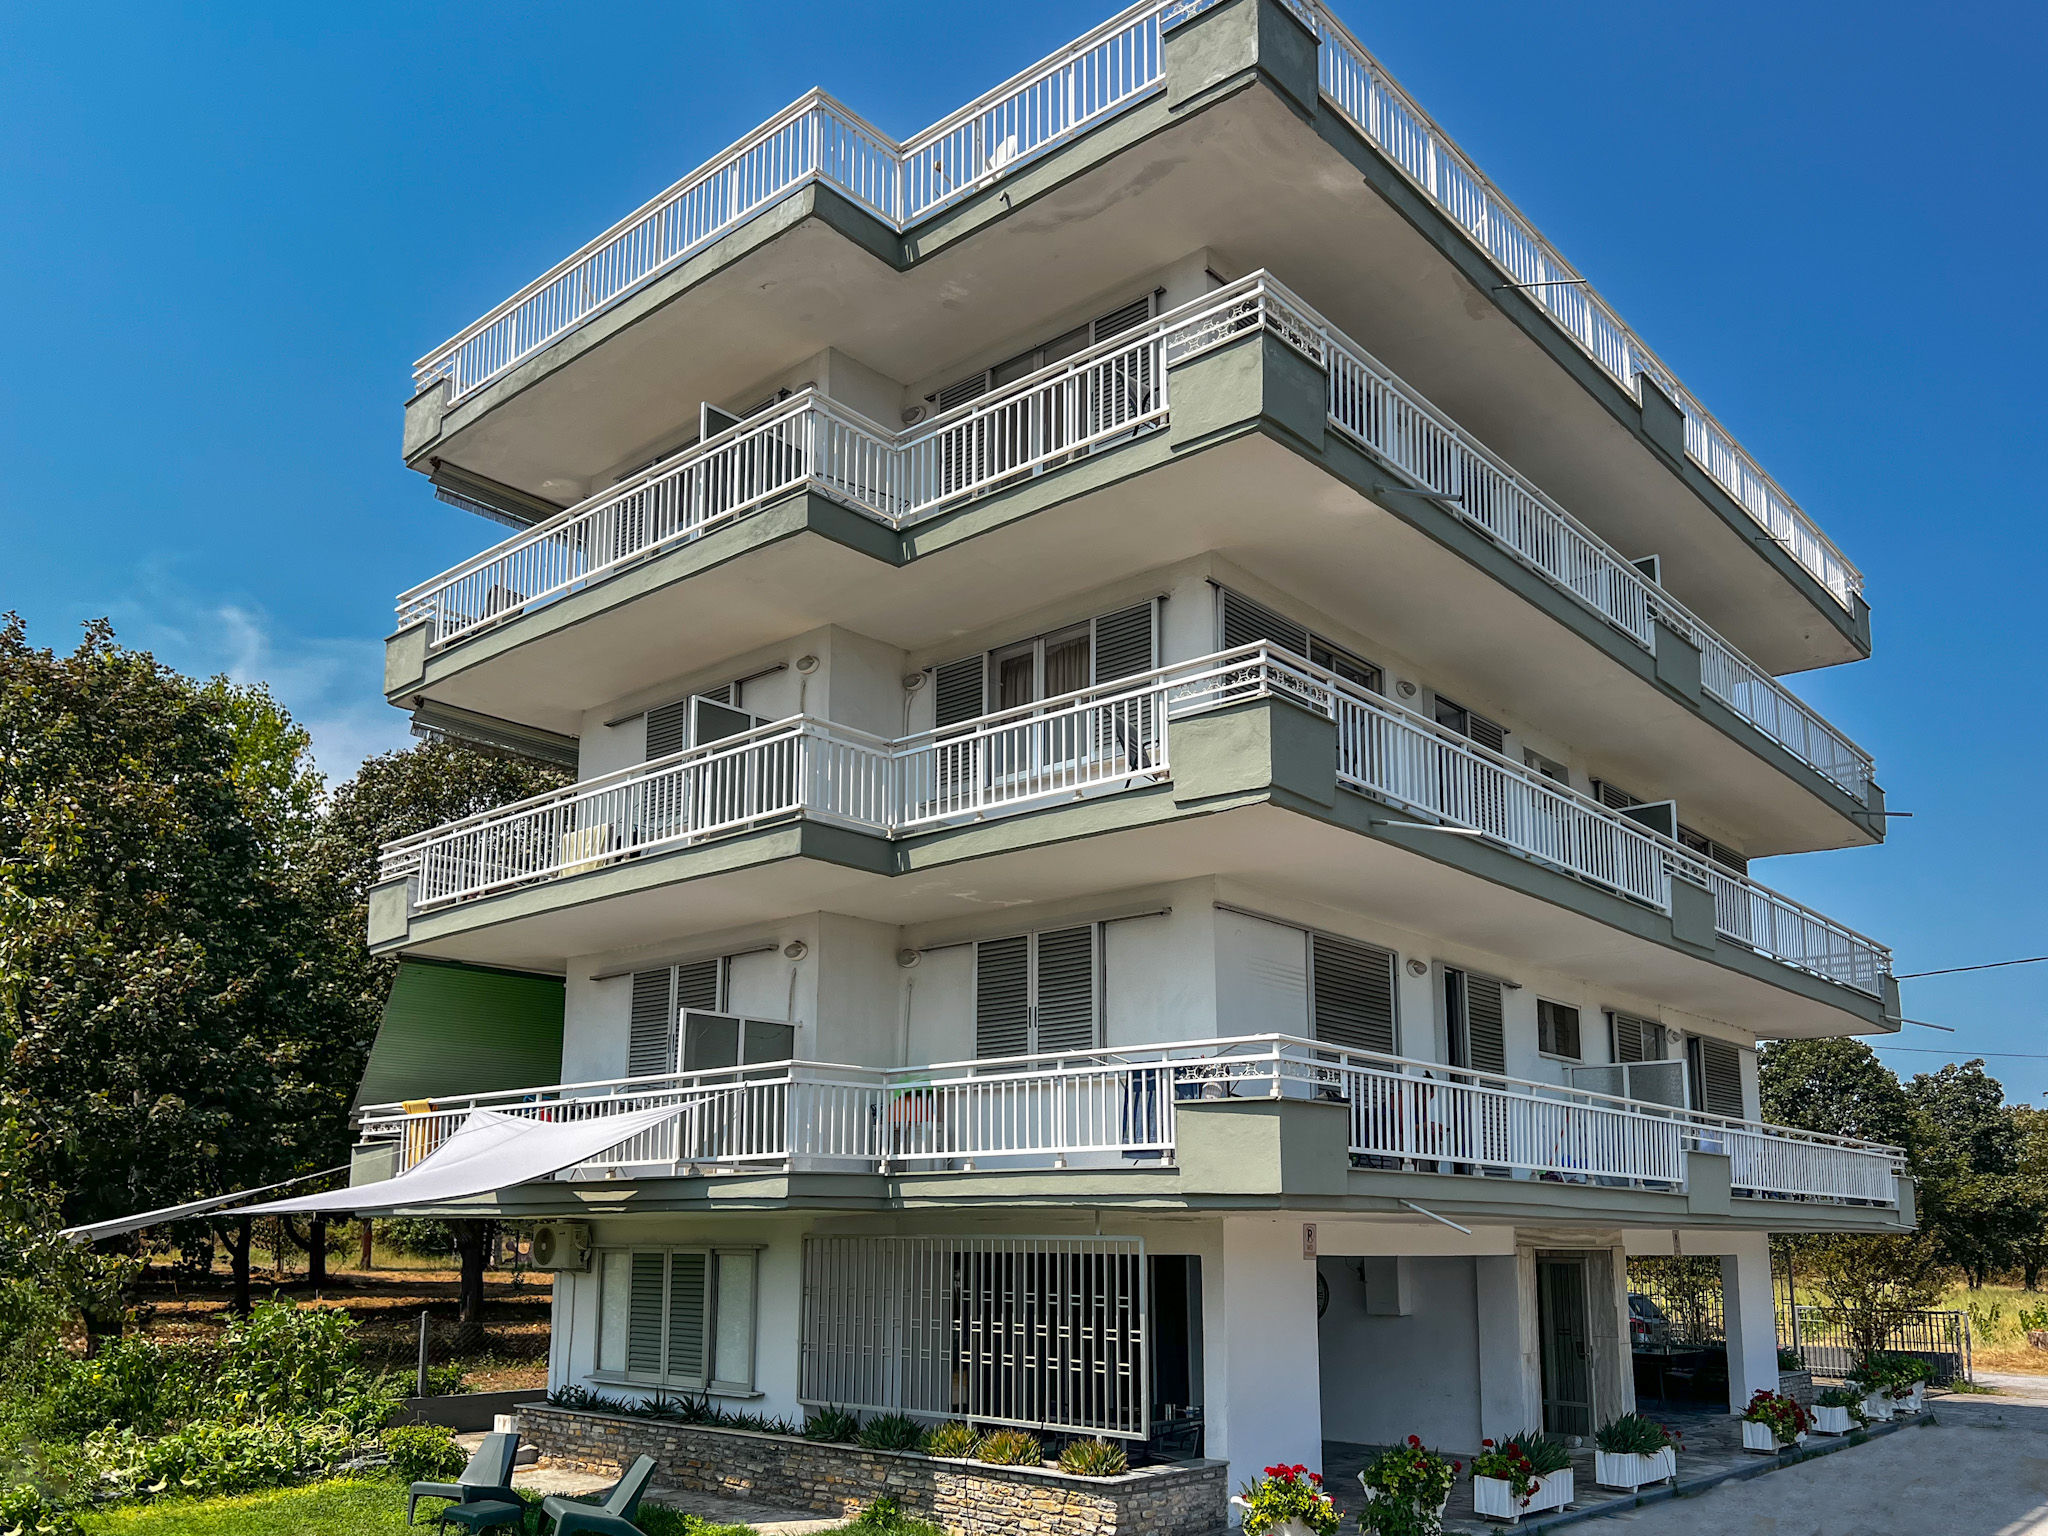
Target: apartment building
column 1170, row 718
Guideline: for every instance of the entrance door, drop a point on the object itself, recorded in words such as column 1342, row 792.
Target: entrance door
column 1567, row 1357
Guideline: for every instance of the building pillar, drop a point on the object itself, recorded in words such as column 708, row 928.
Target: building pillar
column 1507, row 1345
column 1263, row 1388
column 1750, row 1315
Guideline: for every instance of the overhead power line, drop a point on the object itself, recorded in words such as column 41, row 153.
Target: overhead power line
column 1950, row 970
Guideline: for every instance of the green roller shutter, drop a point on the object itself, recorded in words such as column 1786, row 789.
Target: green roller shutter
column 454, row 1029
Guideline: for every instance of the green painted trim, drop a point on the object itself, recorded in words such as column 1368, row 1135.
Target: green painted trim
column 451, row 1029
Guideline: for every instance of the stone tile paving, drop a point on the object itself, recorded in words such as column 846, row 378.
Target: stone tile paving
column 1711, row 1443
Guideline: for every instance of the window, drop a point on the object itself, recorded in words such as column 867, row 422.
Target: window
column 1351, row 993
column 1045, row 354
column 1084, row 655
column 1614, row 797
column 1554, row 771
column 1473, row 1014
column 681, row 1317
column 1715, row 1068
column 1557, row 1029
column 711, row 715
column 1634, row 1039
column 1036, row 993
column 679, row 1005
column 1241, row 622
column 1473, row 727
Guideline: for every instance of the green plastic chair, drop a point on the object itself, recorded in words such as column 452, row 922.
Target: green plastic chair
column 488, row 1476
column 614, row 1517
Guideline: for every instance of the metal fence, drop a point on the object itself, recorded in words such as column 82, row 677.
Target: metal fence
column 1044, row 1332
column 1825, row 1339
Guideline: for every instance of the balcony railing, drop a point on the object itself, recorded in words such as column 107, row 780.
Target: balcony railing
column 1115, row 66
column 1118, row 1107
column 1097, row 398
column 1099, row 740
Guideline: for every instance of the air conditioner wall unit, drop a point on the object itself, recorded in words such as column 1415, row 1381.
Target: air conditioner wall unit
column 562, row 1245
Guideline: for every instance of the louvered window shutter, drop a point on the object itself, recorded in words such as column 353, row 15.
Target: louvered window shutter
column 686, row 1317
column 1066, row 990
column 1117, row 321
column 1720, row 1078
column 1632, row 1038
column 697, row 985
column 1246, row 623
column 1002, row 997
column 1485, row 1040
column 1352, row 992
column 1613, row 796
column 651, row 1030
column 1123, row 643
column 1485, row 732
column 668, row 729
column 973, row 387
column 958, row 690
column 643, row 1316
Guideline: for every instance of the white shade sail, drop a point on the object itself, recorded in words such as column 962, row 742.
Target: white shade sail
column 491, row 1150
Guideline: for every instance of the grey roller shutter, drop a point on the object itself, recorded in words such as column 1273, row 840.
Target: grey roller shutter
column 1352, row 993
column 686, row 1291
column 1485, row 1040
column 1002, row 997
column 651, row 1031
column 958, row 690
column 668, row 729
column 1632, row 1038
column 643, row 1315
column 697, row 985
column 1247, row 623
column 1123, row 643
column 1720, row 1078
column 1066, row 990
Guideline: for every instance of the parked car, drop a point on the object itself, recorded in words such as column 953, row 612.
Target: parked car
column 1648, row 1327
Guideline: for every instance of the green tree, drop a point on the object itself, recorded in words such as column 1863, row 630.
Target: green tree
column 1973, row 1204
column 165, row 1007
column 1837, row 1086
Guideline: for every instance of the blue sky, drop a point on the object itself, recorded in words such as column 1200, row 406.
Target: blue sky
column 226, row 231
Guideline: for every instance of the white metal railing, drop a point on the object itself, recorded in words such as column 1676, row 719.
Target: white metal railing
column 794, row 766
column 1111, row 737
column 1112, row 67
column 1099, row 397
column 1114, row 1104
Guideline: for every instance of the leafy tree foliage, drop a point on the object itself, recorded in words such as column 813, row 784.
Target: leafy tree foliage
column 1835, row 1086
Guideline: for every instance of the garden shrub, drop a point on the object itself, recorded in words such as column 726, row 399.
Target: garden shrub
column 421, row 1238
column 955, row 1439
column 1095, row 1458
column 210, row 1456
column 833, row 1425
column 892, row 1432
column 26, row 1512
column 424, row 1453
column 1010, row 1448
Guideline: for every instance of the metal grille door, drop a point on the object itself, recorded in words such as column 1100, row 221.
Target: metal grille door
column 1042, row 1332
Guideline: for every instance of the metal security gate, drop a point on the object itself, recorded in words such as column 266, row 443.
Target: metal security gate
column 1037, row 1331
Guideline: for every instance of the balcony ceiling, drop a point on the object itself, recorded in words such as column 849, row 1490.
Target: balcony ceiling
column 1244, row 177
column 1262, row 846
column 1270, row 511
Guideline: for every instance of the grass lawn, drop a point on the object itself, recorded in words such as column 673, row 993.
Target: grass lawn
column 1997, row 1340
column 346, row 1507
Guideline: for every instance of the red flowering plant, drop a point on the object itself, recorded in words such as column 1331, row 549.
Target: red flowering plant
column 1786, row 1419
column 1288, row 1493
column 1405, row 1488
column 1509, row 1464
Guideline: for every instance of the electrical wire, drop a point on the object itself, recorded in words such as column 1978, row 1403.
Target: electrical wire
column 1951, row 970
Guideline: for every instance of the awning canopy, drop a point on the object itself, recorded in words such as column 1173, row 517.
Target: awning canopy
column 94, row 1231
column 489, row 1151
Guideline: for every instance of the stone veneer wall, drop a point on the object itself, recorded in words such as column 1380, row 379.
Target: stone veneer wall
column 1185, row 1499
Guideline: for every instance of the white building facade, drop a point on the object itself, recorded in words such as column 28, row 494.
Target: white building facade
column 1169, row 720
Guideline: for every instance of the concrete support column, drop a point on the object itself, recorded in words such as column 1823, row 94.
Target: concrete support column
column 1510, row 1392
column 1263, row 1387
column 1749, row 1309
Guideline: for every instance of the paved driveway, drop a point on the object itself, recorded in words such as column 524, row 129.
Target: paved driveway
column 1980, row 1469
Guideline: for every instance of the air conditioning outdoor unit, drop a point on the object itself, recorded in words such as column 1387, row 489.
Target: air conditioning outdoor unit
column 561, row 1245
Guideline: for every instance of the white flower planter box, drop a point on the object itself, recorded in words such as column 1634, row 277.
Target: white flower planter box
column 1913, row 1401
column 1632, row 1469
column 1494, row 1497
column 1761, row 1437
column 1832, row 1421
column 1878, row 1406
column 1285, row 1527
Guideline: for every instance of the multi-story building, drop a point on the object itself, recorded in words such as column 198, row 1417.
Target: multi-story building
column 1170, row 719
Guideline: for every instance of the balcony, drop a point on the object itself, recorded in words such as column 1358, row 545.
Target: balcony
column 1095, row 401
column 1118, row 1108
column 1101, row 741
column 1113, row 69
